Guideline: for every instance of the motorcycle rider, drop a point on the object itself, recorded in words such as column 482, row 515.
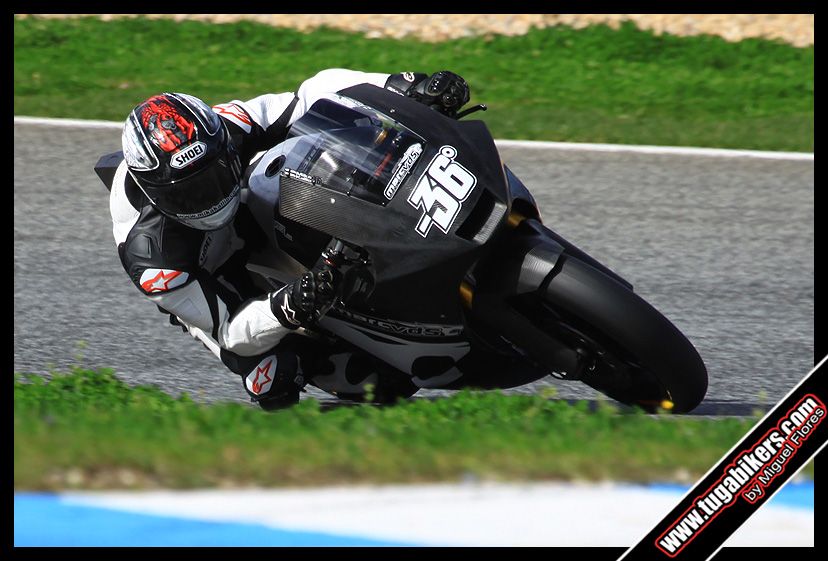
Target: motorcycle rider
column 183, row 233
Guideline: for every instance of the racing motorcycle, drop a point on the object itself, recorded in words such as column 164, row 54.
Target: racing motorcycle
column 450, row 277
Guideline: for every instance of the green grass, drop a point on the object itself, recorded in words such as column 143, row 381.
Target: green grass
column 88, row 429
column 589, row 85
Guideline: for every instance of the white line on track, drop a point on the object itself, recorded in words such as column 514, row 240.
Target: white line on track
column 529, row 144
column 89, row 124
column 671, row 150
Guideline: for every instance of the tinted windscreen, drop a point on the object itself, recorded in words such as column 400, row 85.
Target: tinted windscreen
column 356, row 150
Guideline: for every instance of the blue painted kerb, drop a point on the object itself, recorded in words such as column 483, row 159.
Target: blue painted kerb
column 45, row 520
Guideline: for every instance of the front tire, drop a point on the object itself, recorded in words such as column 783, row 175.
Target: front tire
column 638, row 356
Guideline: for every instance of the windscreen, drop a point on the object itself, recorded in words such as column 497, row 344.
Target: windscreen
column 355, row 150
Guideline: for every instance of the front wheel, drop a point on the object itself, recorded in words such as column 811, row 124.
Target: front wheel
column 632, row 352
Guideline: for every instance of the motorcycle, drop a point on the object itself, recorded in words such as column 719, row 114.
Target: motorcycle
column 450, row 277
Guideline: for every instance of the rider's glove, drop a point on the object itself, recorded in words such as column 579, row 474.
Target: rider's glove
column 443, row 91
column 306, row 299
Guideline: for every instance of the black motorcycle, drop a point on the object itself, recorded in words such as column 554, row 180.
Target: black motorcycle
column 450, row 278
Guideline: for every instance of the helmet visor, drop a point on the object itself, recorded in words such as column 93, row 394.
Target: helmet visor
column 199, row 195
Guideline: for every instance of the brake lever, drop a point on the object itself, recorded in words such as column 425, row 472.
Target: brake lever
column 470, row 110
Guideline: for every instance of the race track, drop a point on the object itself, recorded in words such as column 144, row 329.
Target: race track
column 724, row 247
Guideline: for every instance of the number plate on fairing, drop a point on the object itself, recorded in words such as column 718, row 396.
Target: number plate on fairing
column 441, row 190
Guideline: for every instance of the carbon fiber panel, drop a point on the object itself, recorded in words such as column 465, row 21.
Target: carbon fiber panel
column 327, row 210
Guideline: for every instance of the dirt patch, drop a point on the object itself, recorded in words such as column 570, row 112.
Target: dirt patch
column 796, row 29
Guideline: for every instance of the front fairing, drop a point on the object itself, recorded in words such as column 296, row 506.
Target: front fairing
column 422, row 194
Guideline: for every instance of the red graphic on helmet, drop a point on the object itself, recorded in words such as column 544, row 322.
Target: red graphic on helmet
column 164, row 123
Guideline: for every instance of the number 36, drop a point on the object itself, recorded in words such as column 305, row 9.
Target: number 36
column 446, row 184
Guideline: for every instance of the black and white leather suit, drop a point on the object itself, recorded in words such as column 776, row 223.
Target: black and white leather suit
column 198, row 277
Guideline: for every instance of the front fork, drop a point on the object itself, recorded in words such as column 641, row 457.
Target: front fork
column 522, row 264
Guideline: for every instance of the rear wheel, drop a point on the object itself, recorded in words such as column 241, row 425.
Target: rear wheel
column 629, row 350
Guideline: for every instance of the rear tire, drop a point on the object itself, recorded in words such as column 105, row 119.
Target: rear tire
column 639, row 356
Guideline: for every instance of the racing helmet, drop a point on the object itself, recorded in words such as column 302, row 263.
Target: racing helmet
column 179, row 152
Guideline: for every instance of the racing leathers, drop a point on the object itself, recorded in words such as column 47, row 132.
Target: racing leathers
column 199, row 277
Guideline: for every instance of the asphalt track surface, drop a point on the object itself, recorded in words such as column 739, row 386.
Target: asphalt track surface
column 724, row 247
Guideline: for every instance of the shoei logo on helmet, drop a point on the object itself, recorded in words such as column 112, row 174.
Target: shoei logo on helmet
column 188, row 155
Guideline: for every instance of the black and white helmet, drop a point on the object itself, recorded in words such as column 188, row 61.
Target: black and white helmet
column 180, row 154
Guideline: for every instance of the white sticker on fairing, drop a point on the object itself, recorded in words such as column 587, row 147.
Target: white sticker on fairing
column 161, row 280
column 260, row 379
column 188, row 155
column 441, row 191
column 408, row 76
column 402, row 169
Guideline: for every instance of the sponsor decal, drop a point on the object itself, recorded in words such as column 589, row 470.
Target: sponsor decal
column 188, row 155
column 214, row 209
column 166, row 126
column 234, row 114
column 298, row 175
column 346, row 101
column 208, row 239
column 441, row 190
column 260, row 379
column 161, row 280
column 408, row 76
column 402, row 169
column 411, row 329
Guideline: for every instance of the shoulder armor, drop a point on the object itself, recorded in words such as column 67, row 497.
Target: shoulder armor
column 235, row 114
column 159, row 254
